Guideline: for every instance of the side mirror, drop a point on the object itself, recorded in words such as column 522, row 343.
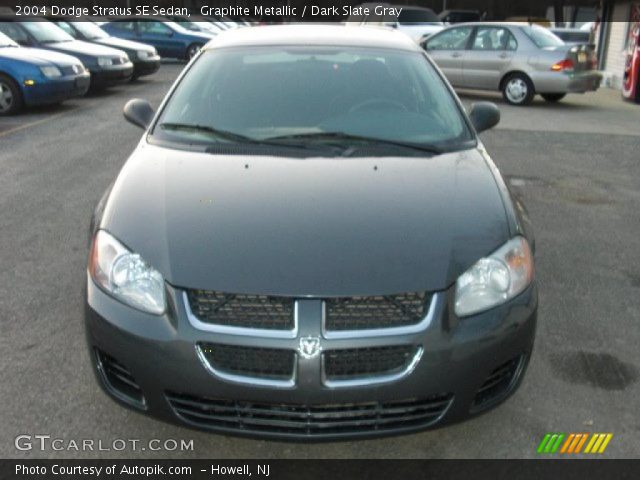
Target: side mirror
column 484, row 115
column 138, row 112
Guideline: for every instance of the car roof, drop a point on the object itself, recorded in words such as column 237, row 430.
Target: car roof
column 317, row 35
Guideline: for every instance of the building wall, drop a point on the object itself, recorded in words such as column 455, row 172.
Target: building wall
column 615, row 55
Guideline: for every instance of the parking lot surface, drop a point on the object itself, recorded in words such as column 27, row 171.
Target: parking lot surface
column 575, row 164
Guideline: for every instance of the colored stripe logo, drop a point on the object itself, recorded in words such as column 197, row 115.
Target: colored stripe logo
column 573, row 443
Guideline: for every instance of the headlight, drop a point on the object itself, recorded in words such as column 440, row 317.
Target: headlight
column 51, row 72
column 495, row 279
column 125, row 275
column 105, row 61
column 142, row 54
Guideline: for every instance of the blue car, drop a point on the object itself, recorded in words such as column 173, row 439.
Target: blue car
column 108, row 66
column 30, row 76
column 170, row 39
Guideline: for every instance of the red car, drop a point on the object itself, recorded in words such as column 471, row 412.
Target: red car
column 631, row 80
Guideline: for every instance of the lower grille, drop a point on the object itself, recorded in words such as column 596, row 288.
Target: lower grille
column 118, row 380
column 388, row 311
column 266, row 363
column 363, row 362
column 308, row 420
column 246, row 311
column 498, row 383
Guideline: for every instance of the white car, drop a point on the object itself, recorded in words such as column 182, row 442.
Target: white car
column 417, row 22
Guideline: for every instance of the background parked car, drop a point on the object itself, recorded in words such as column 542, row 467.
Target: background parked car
column 145, row 58
column 199, row 24
column 30, row 76
column 459, row 16
column 170, row 39
column 631, row 80
column 108, row 66
column 517, row 59
column 417, row 22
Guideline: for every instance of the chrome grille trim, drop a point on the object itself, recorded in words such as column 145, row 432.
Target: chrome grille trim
column 372, row 379
column 381, row 332
column 254, row 381
column 245, row 331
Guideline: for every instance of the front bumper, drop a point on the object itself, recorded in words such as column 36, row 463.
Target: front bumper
column 458, row 357
column 109, row 76
column 145, row 67
column 55, row 90
column 560, row 82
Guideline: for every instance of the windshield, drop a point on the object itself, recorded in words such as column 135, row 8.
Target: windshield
column 273, row 93
column 90, row 30
column 542, row 37
column 415, row 15
column 46, row 32
column 6, row 41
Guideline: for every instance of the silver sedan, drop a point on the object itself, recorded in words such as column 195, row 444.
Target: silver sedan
column 518, row 59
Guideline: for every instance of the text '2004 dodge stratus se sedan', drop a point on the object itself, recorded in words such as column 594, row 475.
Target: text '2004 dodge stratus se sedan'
column 310, row 242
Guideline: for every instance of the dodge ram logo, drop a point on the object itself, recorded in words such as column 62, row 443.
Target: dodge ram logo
column 309, row 347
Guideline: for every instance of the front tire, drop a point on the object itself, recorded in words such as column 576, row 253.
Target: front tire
column 10, row 96
column 517, row 89
column 193, row 49
column 553, row 97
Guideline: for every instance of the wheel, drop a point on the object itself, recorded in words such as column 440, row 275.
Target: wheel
column 517, row 89
column 193, row 49
column 10, row 96
column 553, row 97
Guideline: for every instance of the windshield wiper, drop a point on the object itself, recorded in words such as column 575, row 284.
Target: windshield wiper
column 230, row 137
column 223, row 134
column 343, row 137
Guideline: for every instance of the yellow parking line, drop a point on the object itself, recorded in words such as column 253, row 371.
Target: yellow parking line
column 38, row 122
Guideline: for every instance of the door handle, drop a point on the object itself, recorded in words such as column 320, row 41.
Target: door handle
column 456, row 55
column 504, row 55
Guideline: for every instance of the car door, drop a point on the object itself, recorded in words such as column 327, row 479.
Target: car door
column 491, row 51
column 160, row 36
column 448, row 50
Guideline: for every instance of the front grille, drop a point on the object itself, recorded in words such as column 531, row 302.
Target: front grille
column 384, row 311
column 308, row 420
column 248, row 311
column 118, row 380
column 266, row 363
column 363, row 362
column 498, row 383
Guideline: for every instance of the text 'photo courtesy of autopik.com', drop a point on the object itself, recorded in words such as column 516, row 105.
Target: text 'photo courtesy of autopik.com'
column 320, row 239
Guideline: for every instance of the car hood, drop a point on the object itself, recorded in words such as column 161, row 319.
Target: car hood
column 37, row 56
column 123, row 44
column 81, row 48
column 307, row 227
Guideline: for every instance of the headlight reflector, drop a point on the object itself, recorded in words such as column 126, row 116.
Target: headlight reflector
column 495, row 279
column 51, row 71
column 125, row 275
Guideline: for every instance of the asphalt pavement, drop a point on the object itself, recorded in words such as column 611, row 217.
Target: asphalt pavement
column 576, row 166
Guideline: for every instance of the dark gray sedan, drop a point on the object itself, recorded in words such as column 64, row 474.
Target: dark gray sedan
column 518, row 59
column 310, row 242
